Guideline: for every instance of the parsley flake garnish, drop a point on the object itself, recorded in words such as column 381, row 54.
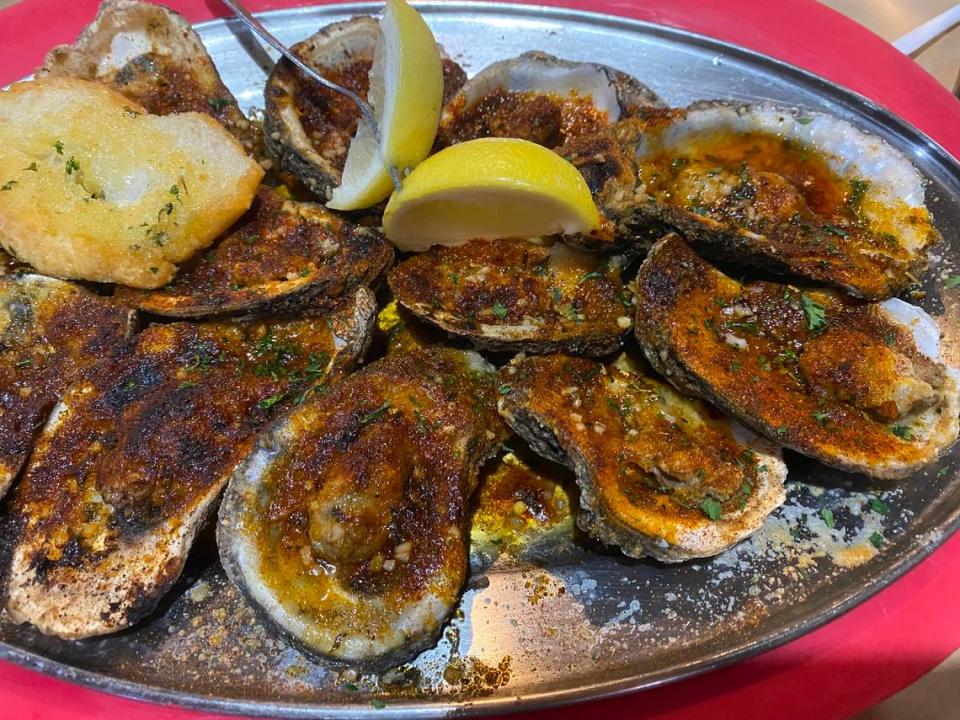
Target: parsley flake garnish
column 711, row 508
column 782, row 430
column 827, row 515
column 902, row 431
column 350, row 687
column 952, row 282
column 505, row 389
column 816, row 315
column 378, row 704
column 877, row 540
column 32, row 167
column 375, row 415
column 25, row 363
column 269, row 402
column 219, row 104
column 8, row 185
column 72, row 166
column 590, row 276
column 878, row 506
column 942, row 473
column 58, row 146
column 499, row 309
column 804, row 119
column 821, row 417
column 187, row 384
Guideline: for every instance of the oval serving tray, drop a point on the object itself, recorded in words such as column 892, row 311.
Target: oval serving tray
column 566, row 620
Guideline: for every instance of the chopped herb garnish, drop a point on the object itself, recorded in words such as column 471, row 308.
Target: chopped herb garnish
column 877, row 540
column 350, row 687
column 154, row 269
column 499, row 309
column 827, row 515
column 590, row 276
column 735, row 366
column 187, row 384
column 711, row 508
column 821, row 417
column 219, row 104
column 129, row 385
column 32, row 167
column 902, row 431
column 454, row 278
column 72, row 165
column 505, row 389
column 378, row 704
column 250, row 238
column 269, row 402
column 834, row 230
column 374, row 415
column 25, row 363
column 952, row 282
column 58, row 146
column 890, row 338
column 816, row 315
column 175, row 191
column 878, row 505
column 8, row 185
column 764, row 363
column 804, row 119
column 858, row 188
column 942, row 473
column 782, row 430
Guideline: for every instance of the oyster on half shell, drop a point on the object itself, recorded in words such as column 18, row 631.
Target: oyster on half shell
column 795, row 192
column 543, row 99
column 857, row 385
column 308, row 128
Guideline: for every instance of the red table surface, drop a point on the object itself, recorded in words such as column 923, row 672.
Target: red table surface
column 850, row 664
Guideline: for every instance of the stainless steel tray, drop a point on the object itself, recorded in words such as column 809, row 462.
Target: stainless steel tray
column 567, row 620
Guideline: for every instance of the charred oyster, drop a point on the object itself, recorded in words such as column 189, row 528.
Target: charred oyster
column 152, row 55
column 797, row 192
column 660, row 474
column 518, row 295
column 346, row 524
column 51, row 333
column 307, row 127
column 134, row 458
column 543, row 99
column 280, row 256
column 853, row 384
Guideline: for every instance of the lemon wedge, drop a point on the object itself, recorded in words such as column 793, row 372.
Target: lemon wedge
column 489, row 188
column 406, row 92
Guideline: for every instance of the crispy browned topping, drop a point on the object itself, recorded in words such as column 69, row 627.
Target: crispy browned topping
column 150, row 439
column 511, row 294
column 649, row 461
column 733, row 187
column 372, row 496
column 282, row 254
column 51, row 334
column 544, row 118
column 813, row 370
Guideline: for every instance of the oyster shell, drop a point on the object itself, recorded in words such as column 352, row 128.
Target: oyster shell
column 517, row 295
column 134, row 457
column 308, row 128
column 660, row 474
column 51, row 333
column 796, row 192
column 856, row 385
column 281, row 256
column 543, row 99
column 346, row 525
column 152, row 55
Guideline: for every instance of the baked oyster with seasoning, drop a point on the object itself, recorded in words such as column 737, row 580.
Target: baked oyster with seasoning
column 856, row 385
column 660, row 474
column 308, row 128
column 794, row 192
column 543, row 99
column 281, row 256
column 519, row 295
column 135, row 456
column 346, row 525
column 153, row 56
column 51, row 333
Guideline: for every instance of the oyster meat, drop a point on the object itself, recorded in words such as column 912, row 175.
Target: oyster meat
column 796, row 192
column 518, row 295
column 282, row 255
column 152, row 55
column 854, row 384
column 346, row 525
column 308, row 128
column 133, row 459
column 660, row 474
column 543, row 99
column 51, row 333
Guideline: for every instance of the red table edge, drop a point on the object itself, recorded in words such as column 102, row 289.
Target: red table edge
column 922, row 102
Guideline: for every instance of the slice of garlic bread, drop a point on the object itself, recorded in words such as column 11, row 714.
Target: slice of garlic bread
column 94, row 188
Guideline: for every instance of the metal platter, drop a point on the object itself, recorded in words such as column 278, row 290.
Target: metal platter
column 557, row 619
